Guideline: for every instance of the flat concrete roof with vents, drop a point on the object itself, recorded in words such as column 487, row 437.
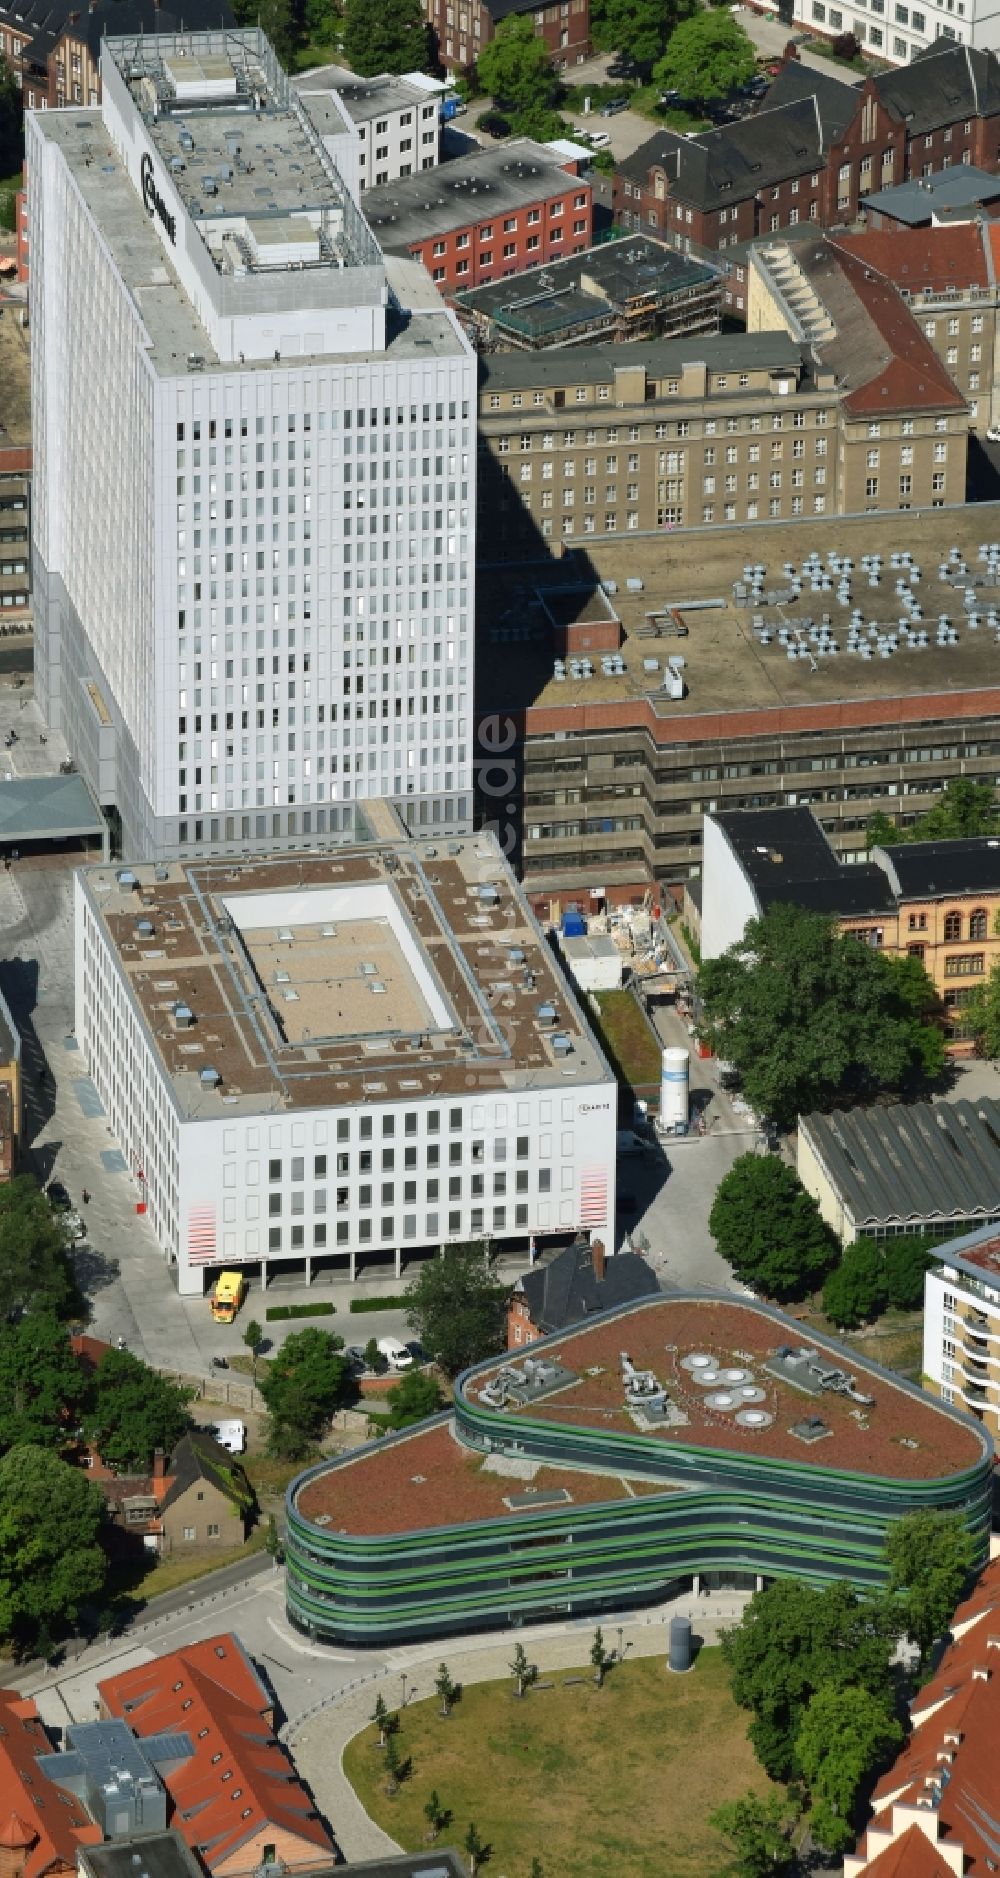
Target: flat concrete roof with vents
column 377, row 972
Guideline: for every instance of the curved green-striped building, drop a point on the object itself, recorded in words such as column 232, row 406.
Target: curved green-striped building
column 610, row 1464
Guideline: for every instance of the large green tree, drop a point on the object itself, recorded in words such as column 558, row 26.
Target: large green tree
column 930, row 1557
column 757, row 1831
column 963, row 808
column 457, row 1308
column 43, row 1389
column 769, row 1229
column 640, row 29
column 51, row 1561
column 11, row 121
column 794, row 1640
column 856, row 1290
column 276, row 18
column 413, row 1399
column 35, row 1271
column 906, row 1259
column 980, row 1016
column 809, row 1017
column 307, row 1381
column 516, row 70
column 843, row 1736
column 133, row 1412
column 708, row 56
column 385, row 36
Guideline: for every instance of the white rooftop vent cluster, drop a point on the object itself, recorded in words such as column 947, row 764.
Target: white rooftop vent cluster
column 867, row 638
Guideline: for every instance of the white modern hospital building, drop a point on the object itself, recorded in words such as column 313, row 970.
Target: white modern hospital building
column 320, row 1062
column 254, row 467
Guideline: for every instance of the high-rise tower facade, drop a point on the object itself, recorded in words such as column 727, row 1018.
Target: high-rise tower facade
column 254, row 509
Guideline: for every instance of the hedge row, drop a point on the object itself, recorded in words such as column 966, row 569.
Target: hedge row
column 397, row 1303
column 276, row 1313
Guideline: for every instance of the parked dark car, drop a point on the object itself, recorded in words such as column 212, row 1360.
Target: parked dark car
column 58, row 1196
column 613, row 106
column 494, row 125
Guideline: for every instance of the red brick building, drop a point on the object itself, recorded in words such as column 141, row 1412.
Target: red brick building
column 54, row 46
column 463, row 27
column 816, row 148
column 484, row 217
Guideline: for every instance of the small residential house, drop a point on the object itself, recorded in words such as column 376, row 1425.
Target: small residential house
column 577, row 1283
column 199, row 1499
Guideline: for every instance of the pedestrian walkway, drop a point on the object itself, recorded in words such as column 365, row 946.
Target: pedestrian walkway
column 317, row 1739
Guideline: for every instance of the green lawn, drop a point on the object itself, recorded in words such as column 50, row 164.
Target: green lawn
column 314, row 53
column 631, row 1043
column 895, row 1340
column 590, row 1781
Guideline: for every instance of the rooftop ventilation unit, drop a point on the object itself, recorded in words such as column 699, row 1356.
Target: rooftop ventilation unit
column 546, row 1014
column 183, row 1016
column 126, row 878
column 561, row 1043
column 144, row 928
column 209, row 1077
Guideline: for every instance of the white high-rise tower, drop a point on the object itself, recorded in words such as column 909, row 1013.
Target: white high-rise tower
column 254, row 461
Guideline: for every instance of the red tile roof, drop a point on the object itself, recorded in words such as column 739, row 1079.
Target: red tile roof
column 239, row 1781
column 913, row 377
column 918, row 260
column 910, row 1856
column 41, row 1819
column 949, row 1764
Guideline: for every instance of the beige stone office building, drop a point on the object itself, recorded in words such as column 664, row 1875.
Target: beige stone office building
column 834, row 402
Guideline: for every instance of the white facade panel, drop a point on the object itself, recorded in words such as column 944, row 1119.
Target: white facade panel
column 728, row 900
column 263, row 1189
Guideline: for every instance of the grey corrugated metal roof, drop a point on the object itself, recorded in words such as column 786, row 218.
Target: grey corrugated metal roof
column 47, row 808
column 925, row 1162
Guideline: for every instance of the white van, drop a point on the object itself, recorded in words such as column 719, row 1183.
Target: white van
column 396, row 1354
column 231, row 1435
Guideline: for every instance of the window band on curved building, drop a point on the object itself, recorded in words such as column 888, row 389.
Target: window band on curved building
column 652, row 1445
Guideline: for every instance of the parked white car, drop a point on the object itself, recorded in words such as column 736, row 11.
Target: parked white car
column 396, row 1354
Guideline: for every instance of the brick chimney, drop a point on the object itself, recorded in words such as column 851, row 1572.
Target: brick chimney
column 159, row 1464
column 598, row 1257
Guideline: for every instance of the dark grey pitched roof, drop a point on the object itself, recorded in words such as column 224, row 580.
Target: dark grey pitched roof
column 788, row 861
column 940, row 869
column 945, row 84
column 44, row 19
column 837, row 99
column 566, row 1290
column 91, row 25
column 198, row 1457
column 719, row 167
column 930, row 1161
